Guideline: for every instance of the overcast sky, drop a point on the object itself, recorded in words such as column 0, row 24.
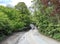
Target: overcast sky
column 14, row 2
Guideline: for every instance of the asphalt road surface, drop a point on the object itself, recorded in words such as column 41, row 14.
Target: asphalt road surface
column 30, row 37
column 33, row 37
column 13, row 39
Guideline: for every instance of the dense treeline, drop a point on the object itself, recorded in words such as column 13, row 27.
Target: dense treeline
column 12, row 20
column 48, row 24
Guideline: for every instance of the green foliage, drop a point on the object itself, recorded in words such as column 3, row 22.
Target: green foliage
column 57, row 36
column 12, row 20
column 21, row 6
column 48, row 25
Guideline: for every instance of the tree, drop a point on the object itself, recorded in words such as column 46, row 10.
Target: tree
column 47, row 24
column 12, row 20
column 21, row 6
column 56, row 10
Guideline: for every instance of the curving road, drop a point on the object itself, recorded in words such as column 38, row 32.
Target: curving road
column 30, row 37
column 33, row 37
column 13, row 39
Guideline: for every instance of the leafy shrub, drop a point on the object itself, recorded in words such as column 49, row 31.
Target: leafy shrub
column 12, row 20
column 47, row 24
column 57, row 36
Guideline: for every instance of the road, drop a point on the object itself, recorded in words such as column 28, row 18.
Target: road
column 34, row 37
column 13, row 39
column 30, row 37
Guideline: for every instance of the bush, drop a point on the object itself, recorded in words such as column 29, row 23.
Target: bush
column 47, row 24
column 12, row 20
column 57, row 36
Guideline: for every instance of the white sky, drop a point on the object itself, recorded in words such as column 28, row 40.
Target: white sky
column 14, row 2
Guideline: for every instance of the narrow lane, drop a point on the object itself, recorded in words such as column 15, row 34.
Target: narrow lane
column 30, row 37
column 13, row 39
column 34, row 37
